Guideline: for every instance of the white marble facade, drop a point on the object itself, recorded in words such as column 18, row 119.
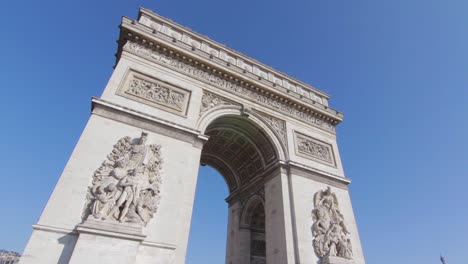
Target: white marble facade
column 177, row 99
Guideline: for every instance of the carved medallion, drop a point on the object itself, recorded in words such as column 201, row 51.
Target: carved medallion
column 315, row 149
column 126, row 186
column 329, row 230
column 153, row 92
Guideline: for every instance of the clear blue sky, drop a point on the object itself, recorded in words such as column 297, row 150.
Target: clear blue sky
column 397, row 69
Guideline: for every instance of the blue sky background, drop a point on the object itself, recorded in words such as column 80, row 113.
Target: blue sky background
column 397, row 69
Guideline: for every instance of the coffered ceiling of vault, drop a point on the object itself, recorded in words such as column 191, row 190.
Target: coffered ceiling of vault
column 238, row 150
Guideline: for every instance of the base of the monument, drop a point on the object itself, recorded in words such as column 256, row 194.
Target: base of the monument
column 112, row 228
column 102, row 242
column 336, row 260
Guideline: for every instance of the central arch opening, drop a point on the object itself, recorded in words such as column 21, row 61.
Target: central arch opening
column 242, row 153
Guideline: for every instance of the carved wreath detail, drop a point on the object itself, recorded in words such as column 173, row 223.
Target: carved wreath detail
column 126, row 187
column 329, row 230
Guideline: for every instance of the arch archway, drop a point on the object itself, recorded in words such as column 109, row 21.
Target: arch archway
column 252, row 225
column 239, row 149
column 220, row 112
column 243, row 150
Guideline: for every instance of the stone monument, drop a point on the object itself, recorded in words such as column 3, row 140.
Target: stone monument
column 175, row 100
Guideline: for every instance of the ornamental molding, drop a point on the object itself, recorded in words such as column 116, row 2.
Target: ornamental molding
column 154, row 92
column 167, row 29
column 329, row 230
column 227, row 83
column 210, row 100
column 314, row 149
column 126, row 187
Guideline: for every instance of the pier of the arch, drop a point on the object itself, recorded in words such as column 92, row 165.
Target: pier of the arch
column 176, row 100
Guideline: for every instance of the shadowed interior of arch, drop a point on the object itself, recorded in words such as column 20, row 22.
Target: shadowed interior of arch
column 253, row 226
column 239, row 150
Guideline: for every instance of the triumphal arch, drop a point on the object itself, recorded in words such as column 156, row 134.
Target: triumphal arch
column 177, row 100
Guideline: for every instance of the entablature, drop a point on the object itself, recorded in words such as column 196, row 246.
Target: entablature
column 225, row 54
column 173, row 45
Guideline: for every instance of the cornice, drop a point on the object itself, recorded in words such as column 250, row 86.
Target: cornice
column 157, row 40
column 214, row 45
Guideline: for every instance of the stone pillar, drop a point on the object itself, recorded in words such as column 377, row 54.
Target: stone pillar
column 101, row 246
column 304, row 186
column 278, row 226
column 64, row 234
column 233, row 234
column 244, row 245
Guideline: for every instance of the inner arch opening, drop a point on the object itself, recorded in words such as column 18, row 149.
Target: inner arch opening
column 243, row 153
column 238, row 149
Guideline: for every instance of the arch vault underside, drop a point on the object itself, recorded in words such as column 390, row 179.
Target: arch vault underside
column 238, row 149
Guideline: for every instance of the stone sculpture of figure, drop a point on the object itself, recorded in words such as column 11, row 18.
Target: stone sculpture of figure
column 126, row 186
column 137, row 152
column 329, row 229
column 348, row 249
column 129, row 187
column 106, row 196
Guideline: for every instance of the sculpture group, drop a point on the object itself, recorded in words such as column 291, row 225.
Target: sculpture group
column 126, row 186
column 329, row 230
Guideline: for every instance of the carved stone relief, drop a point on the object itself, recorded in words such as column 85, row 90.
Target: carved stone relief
column 151, row 91
column 329, row 229
column 230, row 86
column 312, row 148
column 210, row 100
column 126, row 187
column 278, row 125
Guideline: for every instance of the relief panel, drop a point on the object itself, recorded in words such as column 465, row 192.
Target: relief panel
column 314, row 149
column 154, row 92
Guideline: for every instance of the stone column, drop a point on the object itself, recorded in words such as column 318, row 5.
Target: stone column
column 278, row 226
column 233, row 234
